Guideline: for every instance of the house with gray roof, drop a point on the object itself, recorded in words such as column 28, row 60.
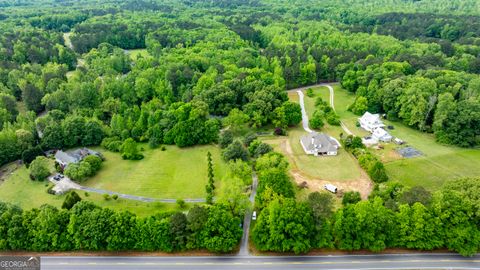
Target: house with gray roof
column 319, row 144
column 64, row 158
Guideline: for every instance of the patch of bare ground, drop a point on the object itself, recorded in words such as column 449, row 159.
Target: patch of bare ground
column 8, row 169
column 363, row 184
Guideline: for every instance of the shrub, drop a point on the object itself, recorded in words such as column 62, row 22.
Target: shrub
column 94, row 161
column 226, row 138
column 106, row 197
column 249, row 138
column 70, row 200
column 112, row 144
column 332, row 118
column 39, row 169
column 310, row 93
column 279, row 131
column 50, row 190
column 115, row 197
column 30, row 154
column 351, row 197
column 130, row 151
column 78, row 171
column 316, row 121
column 236, row 150
column 181, row 203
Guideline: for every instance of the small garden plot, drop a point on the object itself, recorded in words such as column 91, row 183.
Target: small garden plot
column 409, row 152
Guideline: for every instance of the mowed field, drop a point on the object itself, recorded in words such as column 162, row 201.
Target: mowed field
column 18, row 189
column 177, row 173
column 440, row 163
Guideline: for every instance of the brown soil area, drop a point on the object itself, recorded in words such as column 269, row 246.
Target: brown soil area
column 362, row 184
column 8, row 169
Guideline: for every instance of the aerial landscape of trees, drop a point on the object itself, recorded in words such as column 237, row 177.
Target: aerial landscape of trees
column 124, row 75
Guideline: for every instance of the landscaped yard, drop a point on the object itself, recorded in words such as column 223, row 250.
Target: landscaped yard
column 19, row 189
column 177, row 173
column 440, row 163
column 342, row 167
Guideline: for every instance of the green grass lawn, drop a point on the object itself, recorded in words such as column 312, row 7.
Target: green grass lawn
column 342, row 100
column 440, row 163
column 20, row 190
column 342, row 167
column 174, row 173
column 177, row 173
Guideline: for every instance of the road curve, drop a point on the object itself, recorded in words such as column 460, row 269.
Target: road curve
column 380, row 261
column 302, row 105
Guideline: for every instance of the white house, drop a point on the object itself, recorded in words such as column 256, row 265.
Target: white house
column 319, row 144
column 381, row 135
column 370, row 122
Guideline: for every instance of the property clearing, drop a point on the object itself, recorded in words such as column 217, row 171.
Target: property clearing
column 438, row 163
column 177, row 173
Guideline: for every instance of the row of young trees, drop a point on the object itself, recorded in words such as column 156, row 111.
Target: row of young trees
column 393, row 217
column 91, row 228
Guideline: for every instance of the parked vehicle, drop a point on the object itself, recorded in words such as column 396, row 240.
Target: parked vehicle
column 254, row 215
column 331, row 188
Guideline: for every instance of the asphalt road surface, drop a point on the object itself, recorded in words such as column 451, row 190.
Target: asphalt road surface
column 398, row 261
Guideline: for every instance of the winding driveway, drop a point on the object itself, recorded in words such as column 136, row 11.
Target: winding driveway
column 66, row 184
column 304, row 112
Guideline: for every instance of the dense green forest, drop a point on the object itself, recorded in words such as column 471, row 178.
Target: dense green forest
column 71, row 75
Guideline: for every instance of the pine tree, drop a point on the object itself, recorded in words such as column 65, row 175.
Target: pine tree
column 210, row 187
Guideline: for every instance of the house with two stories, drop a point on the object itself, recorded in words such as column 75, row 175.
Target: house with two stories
column 373, row 124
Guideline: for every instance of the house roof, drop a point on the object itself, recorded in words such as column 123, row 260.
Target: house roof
column 319, row 142
column 66, row 158
column 371, row 118
column 380, row 133
column 74, row 156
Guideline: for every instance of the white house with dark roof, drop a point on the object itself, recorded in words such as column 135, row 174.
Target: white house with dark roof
column 370, row 122
column 319, row 144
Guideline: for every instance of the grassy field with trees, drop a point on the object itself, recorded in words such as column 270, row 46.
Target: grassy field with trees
column 176, row 173
column 124, row 74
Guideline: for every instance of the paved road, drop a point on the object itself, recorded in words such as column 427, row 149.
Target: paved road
column 403, row 261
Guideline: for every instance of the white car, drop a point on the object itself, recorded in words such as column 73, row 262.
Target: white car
column 254, row 215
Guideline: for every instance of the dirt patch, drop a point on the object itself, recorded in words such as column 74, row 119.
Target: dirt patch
column 8, row 169
column 363, row 184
